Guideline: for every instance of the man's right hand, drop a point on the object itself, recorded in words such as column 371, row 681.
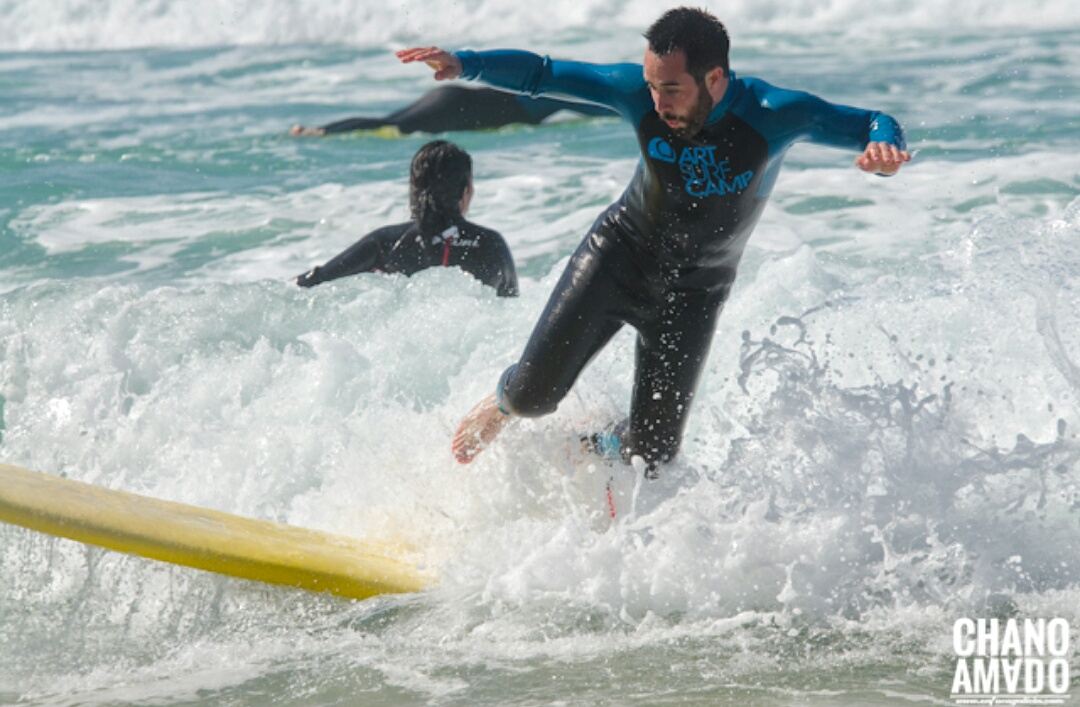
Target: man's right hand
column 446, row 65
column 479, row 429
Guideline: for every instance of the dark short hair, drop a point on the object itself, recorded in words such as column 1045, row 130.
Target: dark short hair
column 695, row 32
column 440, row 173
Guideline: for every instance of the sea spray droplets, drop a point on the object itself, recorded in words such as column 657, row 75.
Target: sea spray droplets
column 923, row 509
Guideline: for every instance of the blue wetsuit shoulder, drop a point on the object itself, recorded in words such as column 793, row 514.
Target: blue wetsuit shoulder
column 785, row 116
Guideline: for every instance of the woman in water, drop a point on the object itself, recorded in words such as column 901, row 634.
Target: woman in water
column 440, row 190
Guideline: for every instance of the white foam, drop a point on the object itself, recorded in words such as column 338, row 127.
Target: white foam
column 84, row 24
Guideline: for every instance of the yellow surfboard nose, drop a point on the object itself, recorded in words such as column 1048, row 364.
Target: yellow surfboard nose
column 259, row 550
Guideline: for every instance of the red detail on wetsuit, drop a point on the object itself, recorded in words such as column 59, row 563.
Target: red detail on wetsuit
column 446, row 251
column 610, row 499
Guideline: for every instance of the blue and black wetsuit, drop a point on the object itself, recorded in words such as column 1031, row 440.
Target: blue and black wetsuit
column 663, row 257
column 452, row 107
column 402, row 248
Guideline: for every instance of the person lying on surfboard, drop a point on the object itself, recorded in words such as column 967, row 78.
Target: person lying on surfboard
column 440, row 191
column 663, row 257
column 452, row 108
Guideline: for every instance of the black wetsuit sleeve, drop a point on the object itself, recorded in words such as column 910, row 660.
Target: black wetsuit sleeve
column 508, row 282
column 366, row 255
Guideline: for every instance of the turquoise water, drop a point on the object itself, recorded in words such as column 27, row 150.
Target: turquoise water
column 886, row 439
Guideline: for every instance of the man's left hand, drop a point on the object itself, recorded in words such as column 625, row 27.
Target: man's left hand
column 882, row 158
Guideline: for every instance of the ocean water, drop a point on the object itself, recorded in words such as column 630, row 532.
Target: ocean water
column 885, row 440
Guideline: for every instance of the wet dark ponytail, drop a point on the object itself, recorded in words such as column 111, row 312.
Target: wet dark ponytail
column 441, row 172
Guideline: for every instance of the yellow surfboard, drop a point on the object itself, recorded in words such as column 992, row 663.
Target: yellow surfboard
column 259, row 550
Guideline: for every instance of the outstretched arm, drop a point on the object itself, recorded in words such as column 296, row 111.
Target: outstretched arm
column 882, row 158
column 446, row 65
column 619, row 87
column 366, row 255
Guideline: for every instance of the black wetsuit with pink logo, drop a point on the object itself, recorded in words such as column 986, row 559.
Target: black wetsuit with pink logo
column 403, row 248
column 664, row 256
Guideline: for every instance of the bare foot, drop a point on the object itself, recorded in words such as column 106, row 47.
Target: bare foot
column 478, row 429
column 309, row 132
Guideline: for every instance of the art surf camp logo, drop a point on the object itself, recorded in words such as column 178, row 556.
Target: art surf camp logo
column 701, row 171
column 1011, row 662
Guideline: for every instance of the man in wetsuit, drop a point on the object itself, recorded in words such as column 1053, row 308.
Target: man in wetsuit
column 663, row 257
column 454, row 107
column 440, row 191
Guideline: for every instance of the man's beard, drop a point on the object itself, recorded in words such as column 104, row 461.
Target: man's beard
column 691, row 125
